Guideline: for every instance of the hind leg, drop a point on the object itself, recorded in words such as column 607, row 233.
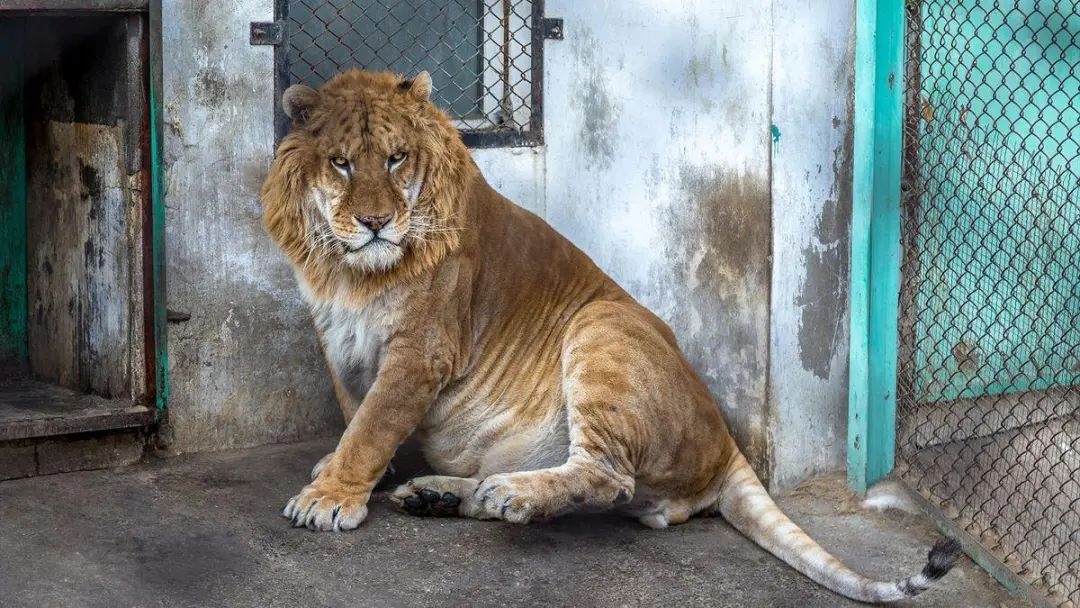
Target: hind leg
column 517, row 497
column 602, row 409
column 620, row 372
column 591, row 479
column 603, row 405
column 635, row 411
column 582, row 483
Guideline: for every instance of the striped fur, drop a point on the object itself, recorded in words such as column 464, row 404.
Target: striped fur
column 748, row 507
column 536, row 385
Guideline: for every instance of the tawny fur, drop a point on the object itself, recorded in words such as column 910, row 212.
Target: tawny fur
column 536, row 385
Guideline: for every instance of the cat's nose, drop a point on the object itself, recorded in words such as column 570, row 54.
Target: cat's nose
column 374, row 222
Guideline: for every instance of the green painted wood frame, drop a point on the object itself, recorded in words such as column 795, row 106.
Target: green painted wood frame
column 157, row 187
column 13, row 306
column 875, row 239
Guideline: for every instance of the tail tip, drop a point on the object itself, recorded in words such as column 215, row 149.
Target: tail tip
column 941, row 558
column 939, row 561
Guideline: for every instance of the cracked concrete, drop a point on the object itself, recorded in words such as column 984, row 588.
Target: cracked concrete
column 205, row 531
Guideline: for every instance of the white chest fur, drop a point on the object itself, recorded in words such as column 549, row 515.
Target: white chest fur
column 353, row 338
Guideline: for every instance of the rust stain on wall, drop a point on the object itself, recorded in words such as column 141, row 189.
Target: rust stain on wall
column 719, row 246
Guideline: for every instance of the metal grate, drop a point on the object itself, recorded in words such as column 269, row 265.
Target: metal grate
column 989, row 369
column 484, row 56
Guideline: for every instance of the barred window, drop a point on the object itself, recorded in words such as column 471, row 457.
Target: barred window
column 484, row 56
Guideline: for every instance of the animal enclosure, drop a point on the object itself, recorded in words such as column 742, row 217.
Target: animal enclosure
column 988, row 406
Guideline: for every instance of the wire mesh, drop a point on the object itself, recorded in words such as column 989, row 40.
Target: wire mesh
column 988, row 404
column 479, row 52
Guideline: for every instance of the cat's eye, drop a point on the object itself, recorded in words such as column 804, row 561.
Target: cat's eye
column 340, row 162
column 396, row 158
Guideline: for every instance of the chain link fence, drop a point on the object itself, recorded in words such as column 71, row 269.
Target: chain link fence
column 989, row 372
column 483, row 55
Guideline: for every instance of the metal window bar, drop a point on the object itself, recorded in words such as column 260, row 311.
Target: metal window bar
column 484, row 56
column 988, row 395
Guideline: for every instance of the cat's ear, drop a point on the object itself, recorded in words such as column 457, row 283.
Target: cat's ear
column 420, row 86
column 299, row 102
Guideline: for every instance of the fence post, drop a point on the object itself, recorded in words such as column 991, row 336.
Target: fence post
column 875, row 239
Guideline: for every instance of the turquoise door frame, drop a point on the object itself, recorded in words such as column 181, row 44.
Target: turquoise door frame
column 875, row 239
column 157, row 224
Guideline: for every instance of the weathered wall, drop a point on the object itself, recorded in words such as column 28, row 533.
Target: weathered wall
column 811, row 187
column 658, row 167
column 246, row 369
column 661, row 161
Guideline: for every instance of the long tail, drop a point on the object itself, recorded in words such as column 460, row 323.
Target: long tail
column 749, row 508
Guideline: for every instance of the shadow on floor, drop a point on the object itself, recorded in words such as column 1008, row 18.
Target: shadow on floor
column 205, row 530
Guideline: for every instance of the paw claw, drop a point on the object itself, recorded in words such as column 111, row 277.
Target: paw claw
column 289, row 508
column 501, row 498
column 505, row 506
column 317, row 508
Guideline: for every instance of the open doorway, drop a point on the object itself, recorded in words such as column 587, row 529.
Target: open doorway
column 76, row 316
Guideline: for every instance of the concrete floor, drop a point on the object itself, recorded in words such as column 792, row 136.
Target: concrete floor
column 205, row 531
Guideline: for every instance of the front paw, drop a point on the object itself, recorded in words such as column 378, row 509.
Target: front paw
column 321, row 465
column 326, row 507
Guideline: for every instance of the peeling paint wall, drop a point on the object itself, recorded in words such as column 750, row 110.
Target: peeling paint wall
column 699, row 151
column 811, row 188
column 246, row 368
